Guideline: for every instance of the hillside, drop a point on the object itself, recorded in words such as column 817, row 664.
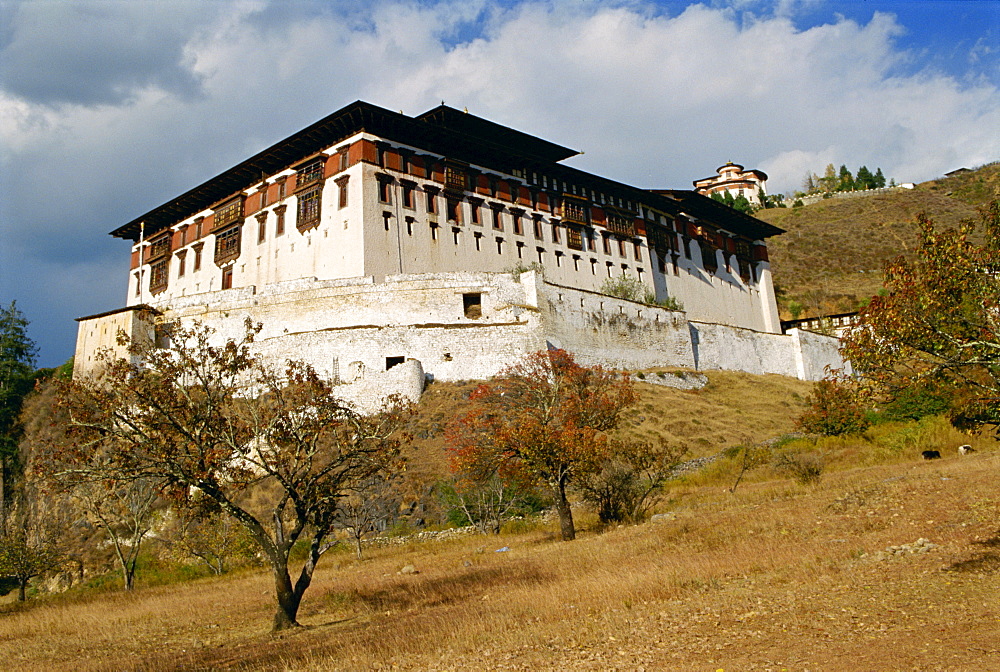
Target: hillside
column 833, row 252
column 888, row 562
column 731, row 409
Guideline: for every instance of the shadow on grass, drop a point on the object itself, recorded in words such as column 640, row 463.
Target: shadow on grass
column 982, row 563
column 382, row 612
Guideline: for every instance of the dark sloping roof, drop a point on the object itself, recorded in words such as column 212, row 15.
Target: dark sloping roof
column 444, row 130
column 484, row 130
column 718, row 213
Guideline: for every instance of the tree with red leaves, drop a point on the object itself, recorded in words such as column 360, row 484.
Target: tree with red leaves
column 937, row 327
column 547, row 418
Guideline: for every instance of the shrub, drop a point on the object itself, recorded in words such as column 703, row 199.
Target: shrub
column 834, row 407
column 631, row 289
column 806, row 468
column 630, row 481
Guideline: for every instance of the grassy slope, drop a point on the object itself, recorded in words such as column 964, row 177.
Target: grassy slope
column 777, row 575
column 834, row 250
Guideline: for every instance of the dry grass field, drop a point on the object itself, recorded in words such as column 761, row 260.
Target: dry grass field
column 776, row 576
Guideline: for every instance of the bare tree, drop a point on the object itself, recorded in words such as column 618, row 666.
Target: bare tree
column 124, row 510
column 369, row 507
column 277, row 451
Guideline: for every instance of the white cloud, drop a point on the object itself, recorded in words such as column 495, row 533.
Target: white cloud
column 653, row 99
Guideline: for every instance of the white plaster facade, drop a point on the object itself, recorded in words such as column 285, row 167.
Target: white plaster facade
column 376, row 238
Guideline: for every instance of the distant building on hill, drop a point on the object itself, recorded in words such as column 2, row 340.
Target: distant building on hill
column 732, row 178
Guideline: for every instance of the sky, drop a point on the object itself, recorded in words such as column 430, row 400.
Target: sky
column 110, row 108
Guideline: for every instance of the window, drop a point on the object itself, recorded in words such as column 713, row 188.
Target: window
column 497, row 218
column 227, row 245
column 409, row 225
column 520, row 250
column 342, row 192
column 309, row 173
column 574, row 238
column 197, row 227
column 263, row 195
column 229, row 213
column 309, row 207
column 158, row 275
column 197, row 256
column 431, row 202
column 479, row 239
column 227, row 277
column 499, row 245
column 638, row 250
column 607, row 244
column 474, row 211
column 574, row 210
column 621, row 224
column 515, row 217
column 160, row 247
column 454, row 210
column 454, row 178
column 393, row 361
column 408, row 194
column 384, row 189
column 282, row 190
column 181, row 254
column 343, row 161
column 261, row 227
column 184, row 235
column 555, row 232
column 621, row 247
column 138, row 284
column 541, row 254
column 472, row 305
column 279, row 225
column 434, row 230
column 537, row 221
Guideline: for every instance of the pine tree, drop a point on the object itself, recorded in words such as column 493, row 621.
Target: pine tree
column 865, row 179
column 879, row 179
column 845, row 181
column 17, row 373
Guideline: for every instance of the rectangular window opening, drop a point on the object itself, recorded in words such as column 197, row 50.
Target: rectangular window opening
column 472, row 305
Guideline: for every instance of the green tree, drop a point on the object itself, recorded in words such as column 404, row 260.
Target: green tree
column 630, row 480
column 17, row 379
column 879, row 179
column 936, row 326
column 23, row 560
column 547, row 418
column 845, row 181
column 865, row 179
column 275, row 450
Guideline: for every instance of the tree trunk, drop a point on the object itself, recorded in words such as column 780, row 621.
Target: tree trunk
column 565, row 513
column 22, row 585
column 288, row 600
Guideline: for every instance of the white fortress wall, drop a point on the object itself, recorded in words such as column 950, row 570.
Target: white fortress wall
column 601, row 329
column 370, row 390
column 799, row 354
column 333, row 323
column 815, row 353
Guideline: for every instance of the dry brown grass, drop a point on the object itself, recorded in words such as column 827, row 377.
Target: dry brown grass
column 834, row 251
column 775, row 575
